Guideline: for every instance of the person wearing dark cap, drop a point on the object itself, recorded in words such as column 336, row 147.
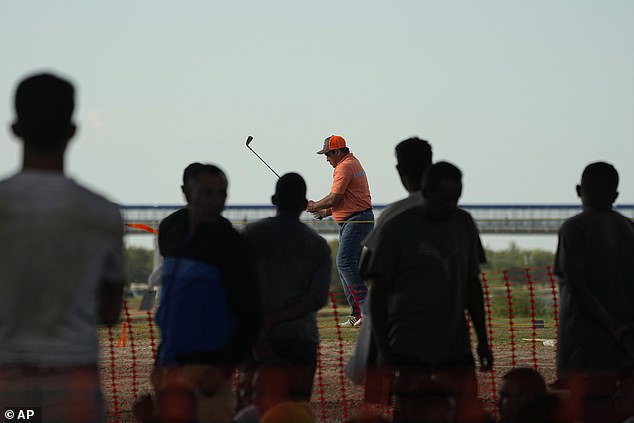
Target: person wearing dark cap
column 294, row 270
column 349, row 203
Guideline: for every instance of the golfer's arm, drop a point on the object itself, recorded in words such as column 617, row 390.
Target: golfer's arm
column 328, row 201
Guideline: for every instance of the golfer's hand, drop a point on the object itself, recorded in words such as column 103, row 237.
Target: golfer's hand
column 319, row 214
column 310, row 206
column 486, row 357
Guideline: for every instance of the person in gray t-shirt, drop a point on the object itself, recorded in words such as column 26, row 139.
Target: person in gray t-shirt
column 294, row 267
column 425, row 275
column 596, row 273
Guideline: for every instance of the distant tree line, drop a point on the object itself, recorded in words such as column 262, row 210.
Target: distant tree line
column 514, row 257
column 139, row 260
column 139, row 263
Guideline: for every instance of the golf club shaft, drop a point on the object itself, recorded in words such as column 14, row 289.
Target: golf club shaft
column 267, row 165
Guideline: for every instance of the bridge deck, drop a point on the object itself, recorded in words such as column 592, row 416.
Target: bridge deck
column 491, row 218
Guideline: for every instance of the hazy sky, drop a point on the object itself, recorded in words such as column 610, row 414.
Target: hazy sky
column 520, row 95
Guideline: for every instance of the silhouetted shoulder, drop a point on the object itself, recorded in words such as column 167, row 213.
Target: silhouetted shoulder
column 55, row 196
column 94, row 203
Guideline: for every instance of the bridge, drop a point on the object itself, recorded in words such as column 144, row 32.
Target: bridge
column 491, row 218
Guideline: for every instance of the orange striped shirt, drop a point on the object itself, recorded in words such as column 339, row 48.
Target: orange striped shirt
column 350, row 180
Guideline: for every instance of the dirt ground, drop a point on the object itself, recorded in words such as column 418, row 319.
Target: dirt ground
column 126, row 370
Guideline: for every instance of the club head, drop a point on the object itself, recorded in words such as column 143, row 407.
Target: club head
column 249, row 139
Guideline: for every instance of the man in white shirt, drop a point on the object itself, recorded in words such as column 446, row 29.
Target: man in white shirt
column 61, row 255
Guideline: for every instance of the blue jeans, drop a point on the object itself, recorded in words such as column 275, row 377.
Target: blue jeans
column 350, row 237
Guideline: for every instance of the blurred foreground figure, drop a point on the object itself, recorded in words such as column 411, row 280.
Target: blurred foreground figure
column 519, row 387
column 61, row 255
column 596, row 270
column 425, row 274
column 209, row 306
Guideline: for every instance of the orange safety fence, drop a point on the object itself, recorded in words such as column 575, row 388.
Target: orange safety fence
column 521, row 309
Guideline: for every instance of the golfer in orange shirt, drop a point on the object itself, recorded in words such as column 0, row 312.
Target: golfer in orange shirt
column 349, row 203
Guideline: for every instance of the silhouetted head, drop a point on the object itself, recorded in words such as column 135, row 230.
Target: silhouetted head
column 206, row 191
column 44, row 105
column 519, row 386
column 290, row 193
column 545, row 408
column 413, row 157
column 187, row 175
column 598, row 188
column 441, row 189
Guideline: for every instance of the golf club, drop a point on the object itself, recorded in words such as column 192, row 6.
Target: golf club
column 249, row 139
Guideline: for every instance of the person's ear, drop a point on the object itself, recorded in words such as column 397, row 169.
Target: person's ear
column 186, row 193
column 615, row 196
column 15, row 128
column 579, row 190
column 72, row 130
column 274, row 199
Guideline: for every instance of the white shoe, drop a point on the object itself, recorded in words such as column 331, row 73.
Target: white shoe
column 350, row 323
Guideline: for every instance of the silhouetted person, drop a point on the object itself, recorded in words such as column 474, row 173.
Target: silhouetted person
column 425, row 274
column 294, row 270
column 546, row 408
column 350, row 204
column 61, row 257
column 413, row 157
column 596, row 271
column 154, row 278
column 518, row 387
column 209, row 307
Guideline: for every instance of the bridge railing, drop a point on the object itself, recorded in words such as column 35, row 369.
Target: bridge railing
column 491, row 218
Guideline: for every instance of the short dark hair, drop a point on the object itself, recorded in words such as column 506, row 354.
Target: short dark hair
column 529, row 379
column 439, row 171
column 187, row 173
column 208, row 168
column 44, row 105
column 345, row 150
column 413, row 157
column 600, row 175
column 290, row 192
